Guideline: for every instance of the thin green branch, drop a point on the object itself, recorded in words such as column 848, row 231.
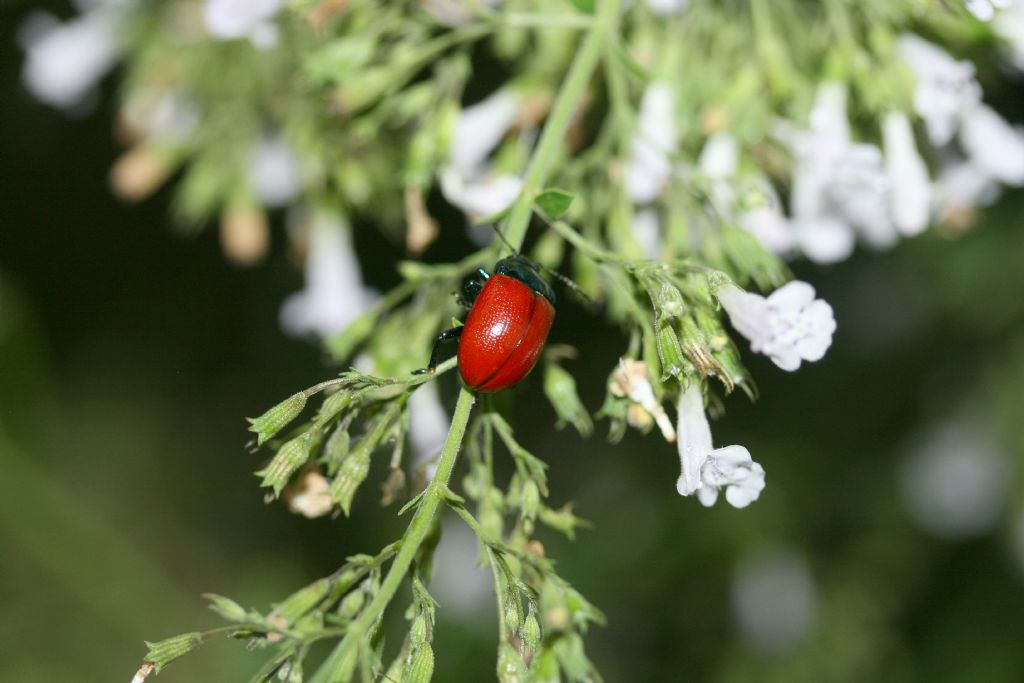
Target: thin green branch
column 414, row 536
column 552, row 138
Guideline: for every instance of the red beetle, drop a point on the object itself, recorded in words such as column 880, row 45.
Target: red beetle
column 510, row 314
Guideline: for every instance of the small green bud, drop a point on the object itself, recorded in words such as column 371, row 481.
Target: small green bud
column 511, row 667
column 226, row 607
column 529, row 501
column 531, row 633
column 420, row 631
column 337, row 447
column 665, row 296
column 353, row 472
column 562, row 520
column 351, row 604
column 274, row 420
column 302, row 600
column 331, row 407
column 421, row 665
column 670, row 353
column 513, row 612
column 560, row 388
column 291, row 456
column 164, row 652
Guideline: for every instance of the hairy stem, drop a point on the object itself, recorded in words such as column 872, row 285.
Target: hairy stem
column 553, row 136
column 410, row 544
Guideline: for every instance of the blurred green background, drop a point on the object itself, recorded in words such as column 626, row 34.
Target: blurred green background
column 889, row 544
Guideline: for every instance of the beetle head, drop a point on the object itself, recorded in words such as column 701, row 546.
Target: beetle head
column 526, row 271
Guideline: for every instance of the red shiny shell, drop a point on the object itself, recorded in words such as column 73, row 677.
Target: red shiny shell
column 504, row 334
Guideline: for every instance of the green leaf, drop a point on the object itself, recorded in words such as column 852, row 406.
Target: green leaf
column 554, row 202
column 585, row 5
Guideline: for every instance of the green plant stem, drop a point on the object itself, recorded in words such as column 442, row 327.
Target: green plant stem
column 418, row 529
column 550, row 144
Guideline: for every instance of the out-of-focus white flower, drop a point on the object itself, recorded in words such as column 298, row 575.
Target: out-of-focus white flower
column 1009, row 24
column 960, row 187
column 946, row 88
column 469, row 182
column 719, row 162
column 655, row 141
column 992, row 145
column 455, row 13
column 428, row 427
column 64, row 62
column 275, row 171
column 774, row 598
column 646, row 226
column 480, row 127
column 859, row 194
column 908, row 176
column 789, row 326
column 252, row 19
column 837, row 185
column 767, row 221
column 954, row 480
column 334, row 295
column 985, row 10
column 664, row 8
column 705, row 469
column 481, row 197
column 157, row 114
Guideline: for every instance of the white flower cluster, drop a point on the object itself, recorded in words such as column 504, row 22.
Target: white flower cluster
column 234, row 19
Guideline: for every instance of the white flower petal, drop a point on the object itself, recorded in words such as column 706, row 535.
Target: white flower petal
column 63, row 62
column 649, row 166
column 481, row 197
column 481, row 127
column 946, row 87
column 694, row 439
column 275, row 172
column 231, row 19
column 791, row 297
column 334, row 294
column 993, row 145
column 823, row 239
column 908, row 176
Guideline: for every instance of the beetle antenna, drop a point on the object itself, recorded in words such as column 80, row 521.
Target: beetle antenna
column 508, row 244
column 568, row 282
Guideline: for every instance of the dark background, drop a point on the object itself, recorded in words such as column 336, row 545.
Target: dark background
column 130, row 352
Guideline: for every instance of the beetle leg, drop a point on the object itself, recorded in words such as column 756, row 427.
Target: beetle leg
column 446, row 336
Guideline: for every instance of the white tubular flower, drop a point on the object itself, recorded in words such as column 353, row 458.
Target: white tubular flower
column 468, row 182
column 706, row 470
column 946, row 87
column 908, row 176
column 233, row 19
column 789, row 326
column 481, row 197
column 275, row 171
column 64, row 62
column 995, row 147
column 481, row 127
column 334, row 295
column 823, row 239
column 649, row 166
